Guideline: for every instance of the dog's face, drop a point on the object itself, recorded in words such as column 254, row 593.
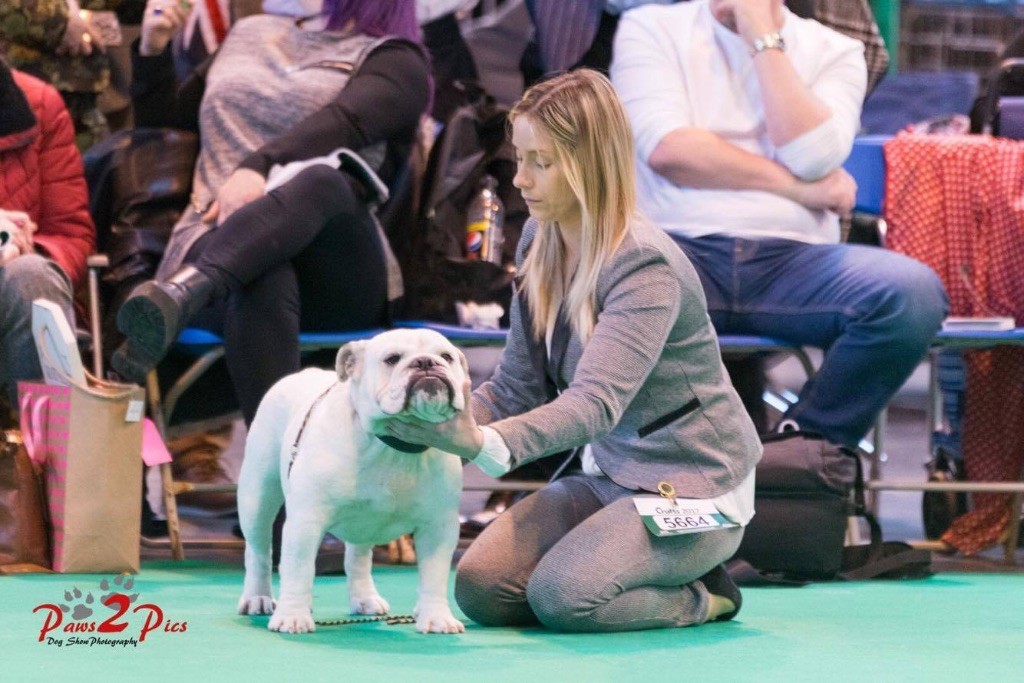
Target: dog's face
column 417, row 372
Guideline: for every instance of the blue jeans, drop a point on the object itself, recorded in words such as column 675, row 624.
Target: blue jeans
column 22, row 280
column 872, row 311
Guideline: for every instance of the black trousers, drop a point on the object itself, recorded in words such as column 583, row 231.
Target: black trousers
column 305, row 257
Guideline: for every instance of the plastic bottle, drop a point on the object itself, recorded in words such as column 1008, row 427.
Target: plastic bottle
column 484, row 223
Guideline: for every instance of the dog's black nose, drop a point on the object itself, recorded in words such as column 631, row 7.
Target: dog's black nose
column 423, row 363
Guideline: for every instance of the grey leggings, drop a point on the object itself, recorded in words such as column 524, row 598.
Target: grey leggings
column 575, row 556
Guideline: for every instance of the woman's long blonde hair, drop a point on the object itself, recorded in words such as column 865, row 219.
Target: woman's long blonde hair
column 593, row 143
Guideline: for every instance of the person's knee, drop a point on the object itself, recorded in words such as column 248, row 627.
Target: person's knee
column 913, row 301
column 926, row 290
column 560, row 602
column 33, row 276
column 323, row 185
column 477, row 584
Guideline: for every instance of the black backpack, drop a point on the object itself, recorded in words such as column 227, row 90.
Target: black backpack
column 473, row 143
column 806, row 489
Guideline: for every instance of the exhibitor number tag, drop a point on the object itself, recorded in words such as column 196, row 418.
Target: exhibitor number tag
column 671, row 517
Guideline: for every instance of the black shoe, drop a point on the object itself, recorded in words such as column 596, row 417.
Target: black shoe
column 154, row 528
column 153, row 316
column 151, row 527
column 718, row 582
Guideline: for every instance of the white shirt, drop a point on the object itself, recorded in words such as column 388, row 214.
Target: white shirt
column 675, row 66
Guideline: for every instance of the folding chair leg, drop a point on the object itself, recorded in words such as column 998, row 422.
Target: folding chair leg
column 1010, row 549
column 171, row 510
column 876, row 459
column 166, row 477
column 95, row 263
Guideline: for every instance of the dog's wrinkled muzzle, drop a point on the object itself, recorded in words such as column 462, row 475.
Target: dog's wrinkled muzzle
column 429, row 395
column 434, row 384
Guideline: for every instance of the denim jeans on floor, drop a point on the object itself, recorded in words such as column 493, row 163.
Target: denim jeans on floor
column 872, row 311
column 22, row 280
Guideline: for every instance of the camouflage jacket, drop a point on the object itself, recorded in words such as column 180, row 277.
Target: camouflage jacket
column 31, row 31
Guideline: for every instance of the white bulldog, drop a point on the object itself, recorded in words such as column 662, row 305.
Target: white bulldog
column 312, row 446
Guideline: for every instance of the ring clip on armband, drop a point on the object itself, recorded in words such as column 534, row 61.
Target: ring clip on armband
column 770, row 41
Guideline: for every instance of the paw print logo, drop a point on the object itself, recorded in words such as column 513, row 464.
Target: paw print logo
column 124, row 582
column 80, row 610
column 80, row 606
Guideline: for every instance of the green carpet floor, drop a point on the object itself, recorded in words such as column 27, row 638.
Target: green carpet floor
column 952, row 627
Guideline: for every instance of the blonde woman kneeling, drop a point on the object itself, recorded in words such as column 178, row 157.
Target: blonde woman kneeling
column 610, row 351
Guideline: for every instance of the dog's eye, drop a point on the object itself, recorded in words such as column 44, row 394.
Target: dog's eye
column 393, row 359
column 448, row 357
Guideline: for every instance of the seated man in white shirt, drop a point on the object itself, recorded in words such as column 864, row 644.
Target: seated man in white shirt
column 743, row 114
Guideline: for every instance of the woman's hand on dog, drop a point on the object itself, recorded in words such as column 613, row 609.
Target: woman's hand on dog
column 460, row 435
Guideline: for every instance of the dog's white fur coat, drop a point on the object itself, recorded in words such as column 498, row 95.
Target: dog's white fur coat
column 346, row 481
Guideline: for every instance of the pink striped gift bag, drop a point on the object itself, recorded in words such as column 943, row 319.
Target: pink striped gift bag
column 88, row 440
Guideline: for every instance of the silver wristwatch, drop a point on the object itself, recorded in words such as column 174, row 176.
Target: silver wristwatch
column 770, row 41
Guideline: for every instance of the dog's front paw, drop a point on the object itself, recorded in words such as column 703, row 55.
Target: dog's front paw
column 292, row 621
column 256, row 604
column 437, row 619
column 371, row 603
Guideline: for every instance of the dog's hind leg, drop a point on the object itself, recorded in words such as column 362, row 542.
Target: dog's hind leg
column 363, row 597
column 260, row 498
column 257, row 522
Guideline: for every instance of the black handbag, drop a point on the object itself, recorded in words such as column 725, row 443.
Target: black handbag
column 806, row 488
column 802, row 501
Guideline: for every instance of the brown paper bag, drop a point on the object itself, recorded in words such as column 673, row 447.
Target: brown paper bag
column 24, row 525
column 89, row 440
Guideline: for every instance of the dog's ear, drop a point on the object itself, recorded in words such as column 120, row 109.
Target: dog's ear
column 350, row 359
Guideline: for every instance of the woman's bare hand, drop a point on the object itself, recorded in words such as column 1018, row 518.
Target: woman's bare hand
column 19, row 229
column 243, row 186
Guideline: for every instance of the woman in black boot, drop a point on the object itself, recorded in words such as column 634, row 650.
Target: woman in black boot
column 309, row 254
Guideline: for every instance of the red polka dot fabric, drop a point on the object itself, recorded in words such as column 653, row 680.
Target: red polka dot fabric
column 956, row 203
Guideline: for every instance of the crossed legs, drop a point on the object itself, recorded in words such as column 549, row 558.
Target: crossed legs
column 305, row 256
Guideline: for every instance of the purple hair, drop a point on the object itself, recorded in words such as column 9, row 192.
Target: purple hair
column 375, row 18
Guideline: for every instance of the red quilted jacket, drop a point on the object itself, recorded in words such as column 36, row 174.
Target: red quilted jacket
column 41, row 173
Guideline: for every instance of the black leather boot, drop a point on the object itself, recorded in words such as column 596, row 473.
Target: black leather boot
column 152, row 317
